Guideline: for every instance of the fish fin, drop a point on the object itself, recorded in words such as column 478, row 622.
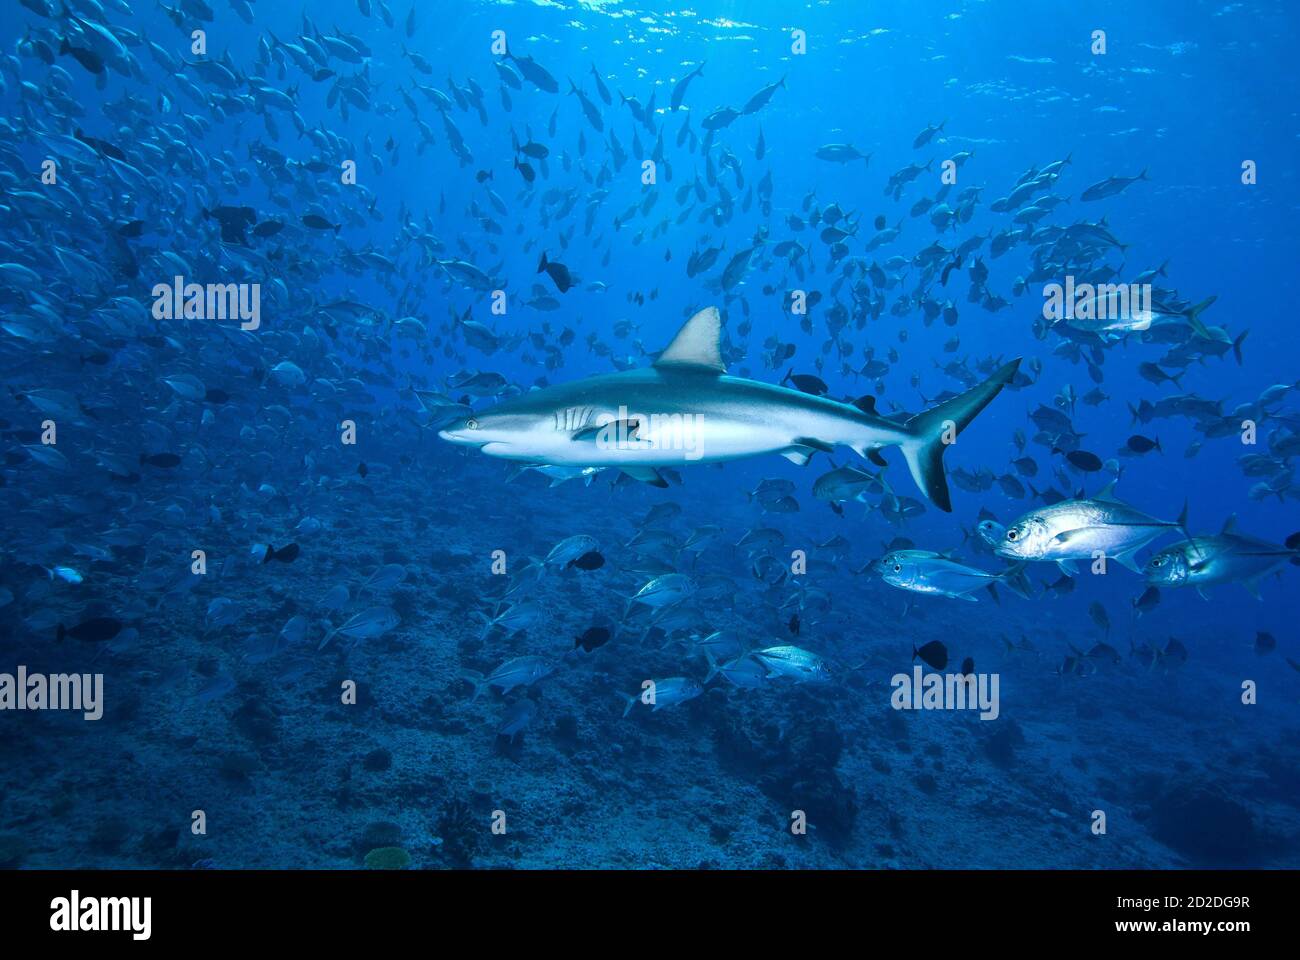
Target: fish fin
column 698, row 344
column 1129, row 558
column 629, row 701
column 925, row 445
column 867, row 404
column 1205, row 594
column 621, row 428
column 646, row 475
column 1229, row 525
column 1252, row 587
column 798, row 455
column 816, row 444
column 1068, row 568
column 875, row 457
column 713, row 667
column 1193, row 316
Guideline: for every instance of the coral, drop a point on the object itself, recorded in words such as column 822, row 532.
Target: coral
column 460, row 838
column 387, row 858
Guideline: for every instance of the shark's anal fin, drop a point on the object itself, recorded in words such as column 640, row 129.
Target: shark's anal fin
column 698, row 344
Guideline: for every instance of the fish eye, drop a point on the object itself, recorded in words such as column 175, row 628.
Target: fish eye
column 471, row 424
column 898, row 568
column 1012, row 534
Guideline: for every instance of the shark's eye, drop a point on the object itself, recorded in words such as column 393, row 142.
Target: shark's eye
column 471, row 424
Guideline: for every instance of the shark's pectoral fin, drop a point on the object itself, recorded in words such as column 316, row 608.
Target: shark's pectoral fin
column 621, row 429
column 875, row 457
column 646, row 475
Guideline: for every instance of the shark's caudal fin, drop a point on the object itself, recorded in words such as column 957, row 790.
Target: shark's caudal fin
column 935, row 429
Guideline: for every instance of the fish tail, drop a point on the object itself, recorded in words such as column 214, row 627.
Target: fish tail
column 1193, row 315
column 629, row 701
column 1236, row 346
column 713, row 667
column 930, row 433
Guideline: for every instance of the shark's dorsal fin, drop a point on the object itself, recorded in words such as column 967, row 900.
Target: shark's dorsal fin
column 1229, row 525
column 697, row 344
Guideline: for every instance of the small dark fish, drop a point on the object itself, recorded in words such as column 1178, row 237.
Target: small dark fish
column 164, row 461
column 362, row 469
column 806, row 383
column 317, row 222
column 1140, row 444
column 483, row 175
column 794, row 624
column 1147, row 602
column 268, row 228
column 558, row 272
column 1099, row 617
column 87, row 58
column 968, row 667
column 287, row 554
column 591, row 560
column 1174, row 652
column 132, row 229
column 217, row 396
column 95, row 630
column 1264, row 643
column 1062, row 586
column 592, row 639
column 525, row 170
column 933, row 653
column 1085, row 461
column 881, row 222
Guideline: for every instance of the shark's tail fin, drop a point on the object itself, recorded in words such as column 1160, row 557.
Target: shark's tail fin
column 933, row 431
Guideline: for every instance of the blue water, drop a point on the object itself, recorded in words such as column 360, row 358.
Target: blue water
column 226, row 692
